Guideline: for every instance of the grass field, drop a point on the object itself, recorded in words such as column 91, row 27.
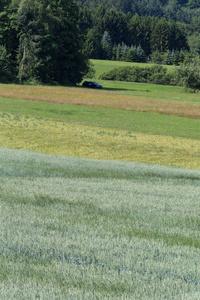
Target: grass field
column 80, row 140
column 74, row 228
column 99, row 192
column 102, row 66
column 108, row 124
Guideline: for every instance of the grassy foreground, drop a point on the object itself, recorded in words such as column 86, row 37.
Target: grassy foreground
column 75, row 228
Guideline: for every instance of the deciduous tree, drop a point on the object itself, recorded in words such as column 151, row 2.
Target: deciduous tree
column 189, row 74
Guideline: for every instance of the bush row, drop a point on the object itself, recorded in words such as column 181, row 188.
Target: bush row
column 155, row 74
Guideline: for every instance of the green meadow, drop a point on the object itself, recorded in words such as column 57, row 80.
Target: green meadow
column 99, row 192
column 132, row 121
column 102, row 66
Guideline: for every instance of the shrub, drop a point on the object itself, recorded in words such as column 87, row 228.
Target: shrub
column 155, row 74
column 188, row 74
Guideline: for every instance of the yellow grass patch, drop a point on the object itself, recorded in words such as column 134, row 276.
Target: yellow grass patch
column 81, row 96
column 94, row 142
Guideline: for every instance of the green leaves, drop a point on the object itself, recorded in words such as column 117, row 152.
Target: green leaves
column 189, row 74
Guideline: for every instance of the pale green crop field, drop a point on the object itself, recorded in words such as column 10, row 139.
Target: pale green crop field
column 74, row 228
column 95, row 198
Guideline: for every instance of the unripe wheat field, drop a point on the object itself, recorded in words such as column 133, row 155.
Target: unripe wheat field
column 99, row 192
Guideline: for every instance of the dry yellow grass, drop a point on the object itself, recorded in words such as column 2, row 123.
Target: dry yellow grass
column 94, row 142
column 80, row 96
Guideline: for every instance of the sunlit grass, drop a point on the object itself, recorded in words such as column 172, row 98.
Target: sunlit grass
column 121, row 92
column 95, row 142
column 133, row 121
column 102, row 66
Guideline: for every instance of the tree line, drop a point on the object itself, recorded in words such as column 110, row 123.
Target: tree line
column 187, row 11
column 51, row 41
column 111, row 34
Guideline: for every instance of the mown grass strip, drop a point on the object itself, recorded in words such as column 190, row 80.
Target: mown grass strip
column 94, row 142
column 144, row 122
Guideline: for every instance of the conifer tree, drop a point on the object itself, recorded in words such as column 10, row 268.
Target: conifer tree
column 106, row 43
column 50, row 47
column 140, row 54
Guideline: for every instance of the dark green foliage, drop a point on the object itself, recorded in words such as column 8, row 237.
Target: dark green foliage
column 50, row 42
column 116, row 24
column 194, row 43
column 140, row 54
column 157, row 57
column 42, row 41
column 7, row 72
column 167, row 59
column 147, row 33
column 160, row 36
column 84, row 19
column 173, row 57
column 92, row 46
column 188, row 74
column 8, row 30
column 132, row 55
column 135, row 54
column 106, row 44
column 182, row 11
column 91, row 71
column 154, row 74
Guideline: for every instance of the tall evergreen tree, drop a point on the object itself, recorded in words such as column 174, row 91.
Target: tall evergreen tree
column 141, row 55
column 160, row 36
column 8, row 29
column 92, row 44
column 106, row 43
column 50, row 46
column 116, row 25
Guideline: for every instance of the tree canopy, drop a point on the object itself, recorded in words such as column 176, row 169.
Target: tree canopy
column 44, row 39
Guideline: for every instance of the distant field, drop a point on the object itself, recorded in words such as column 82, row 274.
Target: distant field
column 102, row 66
column 88, row 229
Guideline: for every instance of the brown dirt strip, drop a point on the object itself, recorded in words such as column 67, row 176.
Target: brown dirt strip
column 101, row 99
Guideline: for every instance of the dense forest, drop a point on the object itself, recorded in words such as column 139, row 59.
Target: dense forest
column 40, row 42
column 187, row 11
column 141, row 36
column 51, row 41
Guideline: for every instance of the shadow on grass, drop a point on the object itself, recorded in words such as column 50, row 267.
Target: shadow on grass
column 121, row 89
column 113, row 89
